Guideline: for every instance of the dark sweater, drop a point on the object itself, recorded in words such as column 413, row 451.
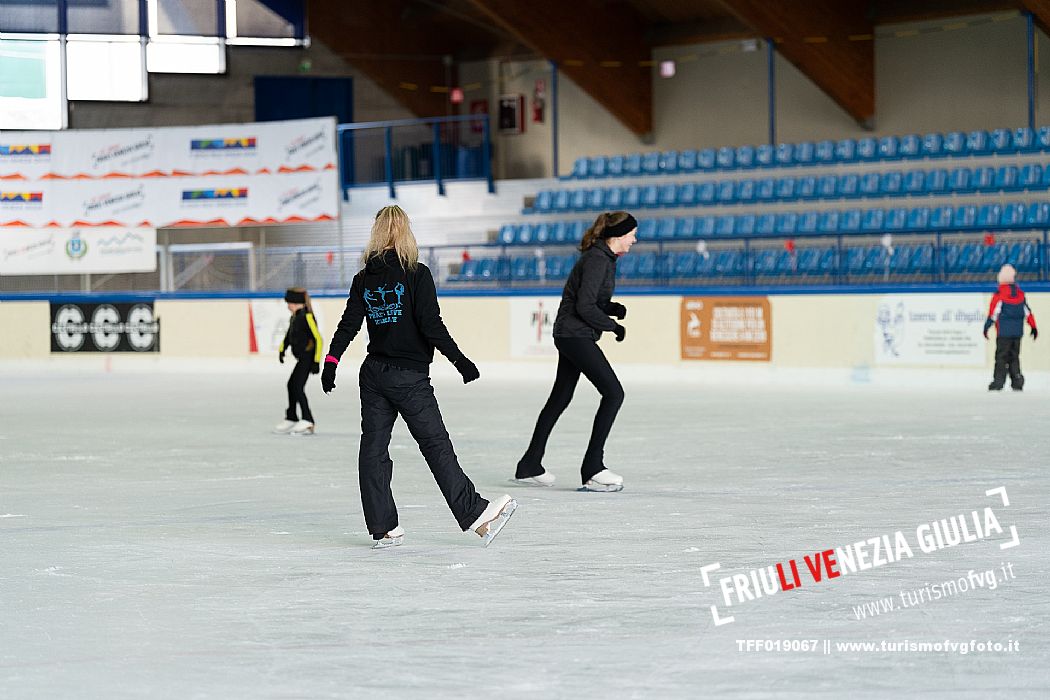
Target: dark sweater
column 404, row 320
column 583, row 312
column 303, row 337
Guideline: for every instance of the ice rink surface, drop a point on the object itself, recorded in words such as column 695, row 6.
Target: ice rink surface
column 157, row 542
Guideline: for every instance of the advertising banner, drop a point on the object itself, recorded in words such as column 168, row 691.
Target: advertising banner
column 930, row 329
column 54, row 251
column 105, row 327
column 269, row 322
column 532, row 325
column 726, row 328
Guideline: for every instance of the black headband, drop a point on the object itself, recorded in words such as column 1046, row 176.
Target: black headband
column 294, row 297
column 621, row 229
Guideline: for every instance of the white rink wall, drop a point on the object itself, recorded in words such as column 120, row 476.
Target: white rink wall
column 813, row 338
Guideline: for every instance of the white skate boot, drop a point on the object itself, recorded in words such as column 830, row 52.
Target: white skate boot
column 284, row 427
column 303, row 427
column 495, row 518
column 392, row 539
column 544, row 479
column 604, row 481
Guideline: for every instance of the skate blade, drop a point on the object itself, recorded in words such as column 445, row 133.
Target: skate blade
column 600, row 488
column 388, row 542
column 530, row 482
column 501, row 521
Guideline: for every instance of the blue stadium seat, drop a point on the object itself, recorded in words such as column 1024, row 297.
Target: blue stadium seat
column 665, row 229
column 855, row 260
column 846, row 151
column 467, row 271
column 977, row 143
column 824, row 153
column 891, row 183
column 725, row 225
column 627, row 266
column 808, row 221
column 632, row 164
column 725, row 158
column 766, row 224
column 729, row 263
column 922, row 260
column 1006, row 178
column 647, row 230
column 829, row 221
column 896, row 219
column 706, row 159
column 804, row 153
column 954, row 144
column 1000, row 141
column 918, row 219
column 685, row 227
column 1038, row 214
column 932, row 145
column 983, row 179
column 787, row 223
column 869, row 185
column 686, row 194
column 575, row 231
column 914, row 182
column 847, row 185
column 765, row 189
column 596, row 199
column 745, row 225
column 850, row 221
column 507, row 234
column 909, row 146
column 900, row 261
column 806, row 187
column 1023, row 140
column 580, row 168
column 964, row 217
column 524, row 269
column 651, row 163
column 826, row 186
column 764, row 262
column 745, row 191
column 988, row 215
column 705, row 265
column 1030, row 177
column 561, row 201
column 785, row 188
column 959, row 180
column 785, row 154
column 1042, row 138
column 599, row 166
column 828, row 261
column 667, row 195
column 578, row 200
column 941, row 217
column 543, row 201
column 615, row 167
column 874, row 220
column 937, row 181
column 706, row 193
column 1013, row 215
column 542, row 233
column 632, row 197
column 745, row 157
column 613, row 197
column 668, row 163
column 684, row 264
column 523, row 235
column 559, row 233
column 807, row 261
column 765, row 156
column 646, row 266
column 705, row 226
column 867, row 149
column 1045, row 183
column 687, row 161
column 726, row 193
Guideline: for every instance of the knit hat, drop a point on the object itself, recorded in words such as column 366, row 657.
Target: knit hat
column 621, row 229
column 294, row 297
column 1007, row 274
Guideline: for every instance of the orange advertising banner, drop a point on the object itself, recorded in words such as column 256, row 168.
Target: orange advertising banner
column 726, row 328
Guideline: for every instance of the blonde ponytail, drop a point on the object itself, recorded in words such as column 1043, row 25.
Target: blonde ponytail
column 391, row 229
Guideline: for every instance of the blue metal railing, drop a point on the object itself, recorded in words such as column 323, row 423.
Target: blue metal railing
column 434, row 148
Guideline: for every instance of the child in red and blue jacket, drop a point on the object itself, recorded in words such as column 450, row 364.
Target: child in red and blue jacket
column 1008, row 313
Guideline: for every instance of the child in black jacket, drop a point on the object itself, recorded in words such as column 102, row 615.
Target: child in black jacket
column 395, row 293
column 304, row 340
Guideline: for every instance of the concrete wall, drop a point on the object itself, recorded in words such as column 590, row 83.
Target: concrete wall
column 809, row 332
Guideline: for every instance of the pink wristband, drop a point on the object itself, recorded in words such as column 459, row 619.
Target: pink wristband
column 333, row 360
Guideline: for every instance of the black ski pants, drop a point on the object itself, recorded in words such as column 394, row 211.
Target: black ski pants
column 386, row 393
column 297, row 390
column 1007, row 360
column 576, row 356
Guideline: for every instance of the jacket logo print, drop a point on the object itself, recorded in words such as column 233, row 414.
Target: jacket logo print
column 382, row 307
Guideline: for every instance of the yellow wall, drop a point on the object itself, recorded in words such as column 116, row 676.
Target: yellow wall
column 25, row 329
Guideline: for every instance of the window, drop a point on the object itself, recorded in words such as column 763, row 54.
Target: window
column 186, row 54
column 105, row 68
column 102, row 17
column 29, row 16
column 31, row 84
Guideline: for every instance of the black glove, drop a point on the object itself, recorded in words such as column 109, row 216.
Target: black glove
column 617, row 310
column 1035, row 333
column 467, row 369
column 280, row 356
column 315, row 368
column 328, row 377
column 988, row 323
column 620, row 332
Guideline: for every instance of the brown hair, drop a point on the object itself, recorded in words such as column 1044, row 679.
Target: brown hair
column 604, row 220
column 306, row 297
column 391, row 229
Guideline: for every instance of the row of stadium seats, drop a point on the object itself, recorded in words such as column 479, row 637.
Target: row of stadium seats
column 908, row 259
column 912, row 146
column 958, row 181
column 1015, row 215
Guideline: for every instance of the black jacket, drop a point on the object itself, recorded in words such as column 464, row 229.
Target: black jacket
column 404, row 320
column 303, row 338
column 583, row 312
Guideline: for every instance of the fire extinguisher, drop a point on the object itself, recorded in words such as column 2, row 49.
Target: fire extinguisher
column 539, row 101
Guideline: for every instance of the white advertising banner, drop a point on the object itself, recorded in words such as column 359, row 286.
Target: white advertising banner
column 270, row 319
column 262, row 148
column 228, row 200
column 55, row 251
column 532, row 326
column 930, row 329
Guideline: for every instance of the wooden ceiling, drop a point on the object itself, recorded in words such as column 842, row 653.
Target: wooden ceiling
column 409, row 47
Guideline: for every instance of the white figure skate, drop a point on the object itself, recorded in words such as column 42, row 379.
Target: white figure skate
column 604, row 481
